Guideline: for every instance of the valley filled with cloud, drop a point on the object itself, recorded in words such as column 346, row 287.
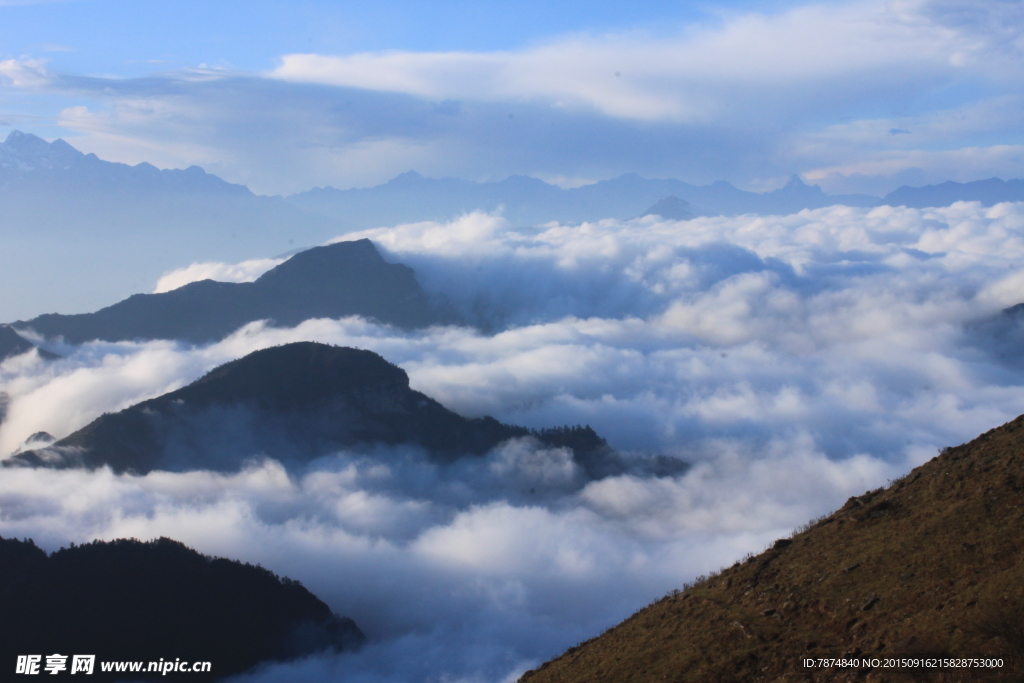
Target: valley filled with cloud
column 803, row 336
column 793, row 361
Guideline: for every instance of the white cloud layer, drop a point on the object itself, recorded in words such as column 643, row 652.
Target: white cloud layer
column 795, row 360
column 477, row 590
column 246, row 271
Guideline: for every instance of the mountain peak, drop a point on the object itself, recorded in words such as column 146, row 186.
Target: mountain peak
column 333, row 281
column 28, row 152
column 672, row 208
column 15, row 136
column 796, row 189
column 299, row 402
column 294, row 402
column 407, row 179
column 328, row 262
column 62, row 145
column 294, row 375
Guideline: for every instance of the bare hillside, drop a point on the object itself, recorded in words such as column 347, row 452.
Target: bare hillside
column 932, row 564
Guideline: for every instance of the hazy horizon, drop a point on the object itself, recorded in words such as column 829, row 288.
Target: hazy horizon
column 859, row 96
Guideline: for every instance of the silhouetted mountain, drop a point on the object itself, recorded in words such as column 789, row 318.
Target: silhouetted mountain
column 988, row 192
column 108, row 229
column 13, row 344
column 295, row 403
column 528, row 201
column 337, row 280
column 930, row 565
column 128, row 600
column 672, row 208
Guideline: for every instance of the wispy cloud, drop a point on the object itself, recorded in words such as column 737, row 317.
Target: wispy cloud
column 750, row 97
column 25, row 73
column 859, row 48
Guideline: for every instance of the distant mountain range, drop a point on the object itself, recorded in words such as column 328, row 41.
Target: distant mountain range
column 30, row 164
column 295, row 403
column 98, row 231
column 128, row 600
column 31, row 168
column 929, row 566
column 527, row 201
column 82, row 231
column 989, row 192
column 333, row 281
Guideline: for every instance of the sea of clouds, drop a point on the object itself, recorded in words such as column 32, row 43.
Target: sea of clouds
column 793, row 360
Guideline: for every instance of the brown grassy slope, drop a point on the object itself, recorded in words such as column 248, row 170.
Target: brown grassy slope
column 932, row 564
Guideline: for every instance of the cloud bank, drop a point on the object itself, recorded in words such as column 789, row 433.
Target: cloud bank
column 794, row 360
column 699, row 74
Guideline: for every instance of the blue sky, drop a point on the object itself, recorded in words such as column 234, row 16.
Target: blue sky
column 122, row 37
column 858, row 96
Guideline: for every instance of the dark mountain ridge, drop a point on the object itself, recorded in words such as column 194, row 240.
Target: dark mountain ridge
column 295, row 403
column 333, row 281
column 932, row 565
column 128, row 600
